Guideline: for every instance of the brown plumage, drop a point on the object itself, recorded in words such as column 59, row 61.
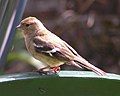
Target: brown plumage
column 49, row 48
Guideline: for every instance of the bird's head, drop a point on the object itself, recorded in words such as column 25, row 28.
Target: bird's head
column 30, row 25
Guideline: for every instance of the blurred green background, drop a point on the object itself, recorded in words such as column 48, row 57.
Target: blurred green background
column 91, row 27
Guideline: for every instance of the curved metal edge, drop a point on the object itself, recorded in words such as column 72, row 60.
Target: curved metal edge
column 62, row 74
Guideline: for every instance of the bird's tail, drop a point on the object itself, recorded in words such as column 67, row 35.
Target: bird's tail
column 83, row 63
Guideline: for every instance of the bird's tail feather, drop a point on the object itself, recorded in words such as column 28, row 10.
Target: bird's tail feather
column 83, row 63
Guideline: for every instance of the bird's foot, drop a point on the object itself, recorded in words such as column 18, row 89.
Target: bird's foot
column 43, row 71
column 55, row 69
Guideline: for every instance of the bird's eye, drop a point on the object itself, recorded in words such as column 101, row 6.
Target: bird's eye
column 27, row 25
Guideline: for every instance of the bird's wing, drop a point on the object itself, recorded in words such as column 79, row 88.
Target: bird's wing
column 71, row 49
column 55, row 50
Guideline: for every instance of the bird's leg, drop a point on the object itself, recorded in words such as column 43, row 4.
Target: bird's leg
column 55, row 69
column 43, row 71
column 48, row 72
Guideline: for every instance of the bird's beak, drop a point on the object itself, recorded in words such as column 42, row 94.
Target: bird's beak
column 19, row 26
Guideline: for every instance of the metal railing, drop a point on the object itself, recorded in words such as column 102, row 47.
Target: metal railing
column 11, row 12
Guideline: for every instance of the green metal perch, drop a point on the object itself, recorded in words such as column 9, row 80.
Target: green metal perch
column 65, row 83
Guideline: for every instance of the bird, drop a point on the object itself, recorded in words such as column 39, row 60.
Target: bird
column 50, row 49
